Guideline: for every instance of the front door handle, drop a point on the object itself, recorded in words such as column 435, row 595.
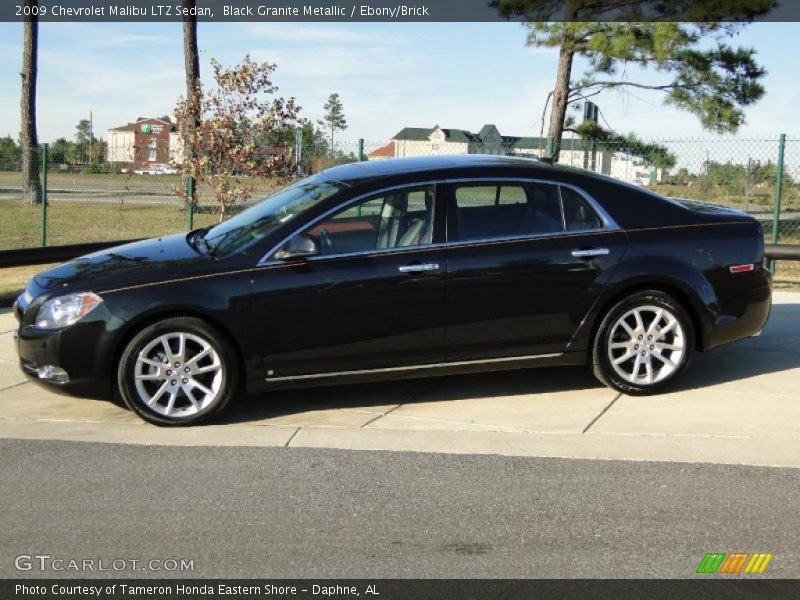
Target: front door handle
column 422, row 268
column 590, row 252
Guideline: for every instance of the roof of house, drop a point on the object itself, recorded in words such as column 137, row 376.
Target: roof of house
column 139, row 120
column 486, row 130
column 386, row 151
column 422, row 134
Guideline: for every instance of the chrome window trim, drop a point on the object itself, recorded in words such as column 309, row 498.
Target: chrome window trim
column 415, row 367
column 528, row 238
column 377, row 252
column 609, row 224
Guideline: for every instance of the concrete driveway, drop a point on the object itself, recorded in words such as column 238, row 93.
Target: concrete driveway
column 736, row 405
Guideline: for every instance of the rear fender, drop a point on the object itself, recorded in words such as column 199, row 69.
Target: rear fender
column 684, row 281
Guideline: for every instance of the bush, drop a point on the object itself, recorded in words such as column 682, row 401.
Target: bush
column 97, row 168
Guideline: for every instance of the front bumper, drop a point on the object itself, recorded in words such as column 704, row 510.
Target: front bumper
column 83, row 352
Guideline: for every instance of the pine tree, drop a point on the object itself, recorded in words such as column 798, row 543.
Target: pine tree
column 715, row 82
column 334, row 115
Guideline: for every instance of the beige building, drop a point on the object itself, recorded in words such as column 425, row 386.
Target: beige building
column 418, row 141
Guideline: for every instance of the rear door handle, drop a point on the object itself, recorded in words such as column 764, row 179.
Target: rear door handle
column 590, row 252
column 419, row 268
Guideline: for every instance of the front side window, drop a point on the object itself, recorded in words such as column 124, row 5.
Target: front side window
column 396, row 219
column 507, row 210
column 253, row 224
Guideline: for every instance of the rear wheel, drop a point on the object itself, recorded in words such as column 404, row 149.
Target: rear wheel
column 179, row 371
column 643, row 343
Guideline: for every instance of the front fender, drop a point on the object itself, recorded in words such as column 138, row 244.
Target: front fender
column 224, row 301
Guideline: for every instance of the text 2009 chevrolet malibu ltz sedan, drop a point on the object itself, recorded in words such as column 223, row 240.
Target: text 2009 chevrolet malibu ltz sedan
column 407, row 267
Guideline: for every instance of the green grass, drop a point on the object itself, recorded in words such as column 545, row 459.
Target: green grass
column 78, row 222
column 104, row 207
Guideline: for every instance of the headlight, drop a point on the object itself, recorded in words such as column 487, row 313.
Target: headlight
column 66, row 310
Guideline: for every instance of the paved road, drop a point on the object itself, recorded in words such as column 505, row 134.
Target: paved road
column 292, row 512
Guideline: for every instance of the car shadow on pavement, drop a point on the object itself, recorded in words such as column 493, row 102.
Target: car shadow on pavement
column 777, row 349
column 386, row 394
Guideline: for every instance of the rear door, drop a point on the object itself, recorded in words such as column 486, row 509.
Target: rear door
column 525, row 262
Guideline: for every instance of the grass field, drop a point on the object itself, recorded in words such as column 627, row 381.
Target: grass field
column 104, row 207
column 77, row 222
column 761, row 200
column 118, row 185
column 13, row 279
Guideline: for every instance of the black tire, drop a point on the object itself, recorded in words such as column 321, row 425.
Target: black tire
column 635, row 382
column 183, row 411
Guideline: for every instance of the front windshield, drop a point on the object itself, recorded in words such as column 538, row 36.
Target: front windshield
column 259, row 220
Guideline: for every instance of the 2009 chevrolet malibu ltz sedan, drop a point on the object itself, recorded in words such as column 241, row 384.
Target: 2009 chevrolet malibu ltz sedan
column 400, row 268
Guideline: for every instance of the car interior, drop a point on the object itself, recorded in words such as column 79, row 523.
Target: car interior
column 514, row 210
column 405, row 218
column 396, row 220
column 498, row 211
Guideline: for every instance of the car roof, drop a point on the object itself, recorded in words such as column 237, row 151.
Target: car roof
column 428, row 164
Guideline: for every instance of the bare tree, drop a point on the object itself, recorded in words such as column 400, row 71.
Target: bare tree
column 191, row 55
column 31, row 187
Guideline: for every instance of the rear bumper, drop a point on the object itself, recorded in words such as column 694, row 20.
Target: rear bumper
column 744, row 313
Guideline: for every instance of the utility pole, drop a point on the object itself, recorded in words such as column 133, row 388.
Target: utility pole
column 747, row 184
column 91, row 136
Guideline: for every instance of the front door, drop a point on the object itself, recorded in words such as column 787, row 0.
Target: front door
column 373, row 298
column 526, row 262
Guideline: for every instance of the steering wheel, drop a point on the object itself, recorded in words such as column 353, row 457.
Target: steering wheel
column 327, row 242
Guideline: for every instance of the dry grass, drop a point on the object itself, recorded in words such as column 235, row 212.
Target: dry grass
column 787, row 271
column 13, row 280
column 761, row 199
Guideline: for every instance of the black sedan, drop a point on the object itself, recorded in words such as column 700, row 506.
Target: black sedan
column 401, row 268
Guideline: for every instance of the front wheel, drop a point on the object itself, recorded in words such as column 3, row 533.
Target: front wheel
column 178, row 371
column 643, row 343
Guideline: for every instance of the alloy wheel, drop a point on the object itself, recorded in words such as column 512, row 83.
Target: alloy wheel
column 178, row 374
column 646, row 345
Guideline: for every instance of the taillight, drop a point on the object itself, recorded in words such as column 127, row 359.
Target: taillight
column 742, row 268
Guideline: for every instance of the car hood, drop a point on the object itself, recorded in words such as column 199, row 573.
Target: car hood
column 155, row 259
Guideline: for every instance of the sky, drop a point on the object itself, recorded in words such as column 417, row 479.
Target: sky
column 389, row 76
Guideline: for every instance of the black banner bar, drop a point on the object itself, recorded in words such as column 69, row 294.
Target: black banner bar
column 733, row 588
column 385, row 10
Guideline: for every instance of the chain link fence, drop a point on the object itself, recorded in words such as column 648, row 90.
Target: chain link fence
column 105, row 195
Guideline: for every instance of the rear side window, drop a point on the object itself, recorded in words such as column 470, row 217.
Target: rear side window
column 578, row 213
column 476, row 195
column 507, row 210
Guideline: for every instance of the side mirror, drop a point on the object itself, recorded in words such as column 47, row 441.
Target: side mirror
column 298, row 246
